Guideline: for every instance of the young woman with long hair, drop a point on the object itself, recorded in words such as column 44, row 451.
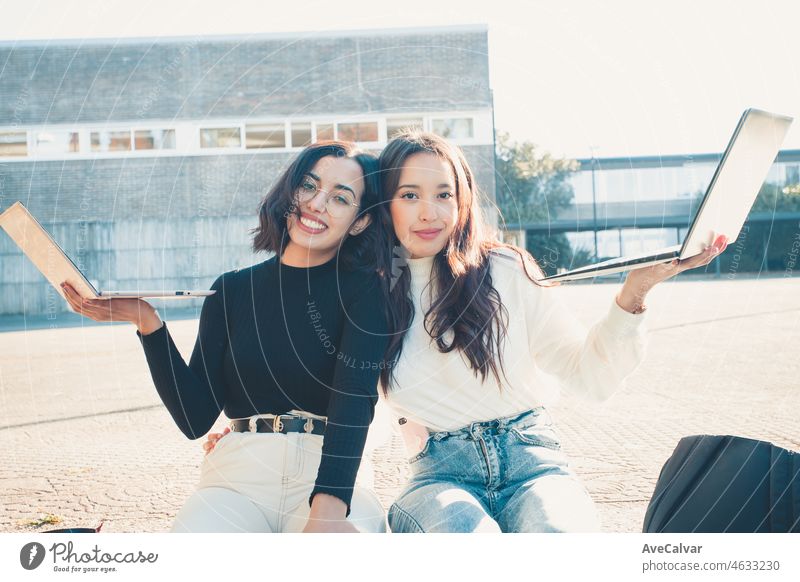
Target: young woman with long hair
column 289, row 349
column 473, row 337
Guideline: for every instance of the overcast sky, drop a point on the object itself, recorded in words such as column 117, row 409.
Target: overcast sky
column 624, row 77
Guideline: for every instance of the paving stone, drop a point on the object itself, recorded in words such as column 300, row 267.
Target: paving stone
column 721, row 360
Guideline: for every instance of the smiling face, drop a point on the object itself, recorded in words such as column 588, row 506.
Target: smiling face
column 424, row 208
column 327, row 202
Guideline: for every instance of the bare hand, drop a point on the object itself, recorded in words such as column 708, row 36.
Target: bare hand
column 212, row 438
column 327, row 515
column 639, row 281
column 136, row 311
column 329, row 526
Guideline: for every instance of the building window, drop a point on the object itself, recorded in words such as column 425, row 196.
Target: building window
column 793, row 174
column 324, row 131
column 268, row 135
column 154, row 139
column 221, row 137
column 395, row 126
column 301, row 134
column 57, row 142
column 13, row 143
column 455, row 128
column 111, row 141
column 360, row 132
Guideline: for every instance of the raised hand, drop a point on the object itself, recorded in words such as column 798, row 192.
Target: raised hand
column 639, row 281
column 136, row 311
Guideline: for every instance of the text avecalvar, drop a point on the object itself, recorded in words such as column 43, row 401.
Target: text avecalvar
column 671, row 549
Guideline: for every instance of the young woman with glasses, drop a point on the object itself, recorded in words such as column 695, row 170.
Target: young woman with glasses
column 290, row 350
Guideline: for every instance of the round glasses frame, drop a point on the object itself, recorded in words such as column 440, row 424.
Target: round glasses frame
column 340, row 207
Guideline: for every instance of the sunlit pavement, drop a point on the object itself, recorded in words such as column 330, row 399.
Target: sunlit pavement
column 88, row 441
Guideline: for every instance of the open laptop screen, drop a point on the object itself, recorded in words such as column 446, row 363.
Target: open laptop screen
column 737, row 180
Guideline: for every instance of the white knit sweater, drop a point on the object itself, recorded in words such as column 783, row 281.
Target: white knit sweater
column 545, row 346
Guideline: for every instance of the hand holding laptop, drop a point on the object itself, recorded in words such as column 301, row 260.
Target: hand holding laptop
column 639, row 282
column 51, row 260
column 726, row 204
column 137, row 311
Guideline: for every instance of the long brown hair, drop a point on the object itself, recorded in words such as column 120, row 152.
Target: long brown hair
column 471, row 307
column 360, row 252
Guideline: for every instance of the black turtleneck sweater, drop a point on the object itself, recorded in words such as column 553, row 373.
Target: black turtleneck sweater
column 275, row 338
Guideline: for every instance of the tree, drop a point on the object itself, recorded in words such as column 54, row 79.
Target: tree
column 533, row 186
column 765, row 246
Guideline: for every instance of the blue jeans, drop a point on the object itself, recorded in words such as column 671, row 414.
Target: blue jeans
column 502, row 475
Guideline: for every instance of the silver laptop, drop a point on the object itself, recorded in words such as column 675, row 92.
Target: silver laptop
column 56, row 266
column 730, row 195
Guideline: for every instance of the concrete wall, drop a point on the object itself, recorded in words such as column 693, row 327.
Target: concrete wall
column 164, row 188
column 179, row 221
column 191, row 77
column 130, row 254
column 147, row 223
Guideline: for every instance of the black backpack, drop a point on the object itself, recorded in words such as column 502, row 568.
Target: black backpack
column 715, row 484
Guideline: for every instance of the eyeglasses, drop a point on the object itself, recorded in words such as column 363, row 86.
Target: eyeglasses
column 337, row 204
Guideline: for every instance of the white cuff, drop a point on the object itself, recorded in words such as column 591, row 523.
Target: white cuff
column 621, row 322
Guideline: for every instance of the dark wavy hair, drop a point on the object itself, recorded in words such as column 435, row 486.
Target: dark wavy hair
column 361, row 252
column 466, row 302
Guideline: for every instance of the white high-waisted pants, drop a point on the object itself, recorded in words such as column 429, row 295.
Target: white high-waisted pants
column 261, row 482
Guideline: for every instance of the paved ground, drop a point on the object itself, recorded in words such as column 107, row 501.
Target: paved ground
column 85, row 438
